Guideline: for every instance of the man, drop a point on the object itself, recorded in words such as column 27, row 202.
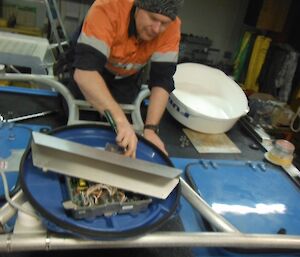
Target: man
column 117, row 40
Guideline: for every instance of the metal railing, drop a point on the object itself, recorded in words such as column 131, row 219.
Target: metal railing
column 227, row 236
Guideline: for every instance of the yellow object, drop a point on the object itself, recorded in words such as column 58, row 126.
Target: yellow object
column 17, row 84
column 277, row 160
column 273, row 15
column 259, row 52
column 30, row 31
column 281, row 154
column 4, row 83
column 3, row 22
column 82, row 182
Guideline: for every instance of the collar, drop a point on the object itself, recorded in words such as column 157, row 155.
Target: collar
column 132, row 26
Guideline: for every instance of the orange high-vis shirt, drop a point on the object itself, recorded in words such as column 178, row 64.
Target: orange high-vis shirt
column 106, row 30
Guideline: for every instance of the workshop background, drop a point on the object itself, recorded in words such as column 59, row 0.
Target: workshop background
column 214, row 32
column 255, row 42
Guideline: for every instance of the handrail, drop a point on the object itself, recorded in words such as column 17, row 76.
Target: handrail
column 228, row 237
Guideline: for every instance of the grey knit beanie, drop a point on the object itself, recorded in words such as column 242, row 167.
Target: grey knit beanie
column 165, row 7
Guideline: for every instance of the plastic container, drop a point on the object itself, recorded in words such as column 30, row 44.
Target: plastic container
column 282, row 153
column 205, row 99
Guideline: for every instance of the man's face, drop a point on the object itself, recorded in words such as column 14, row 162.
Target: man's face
column 149, row 25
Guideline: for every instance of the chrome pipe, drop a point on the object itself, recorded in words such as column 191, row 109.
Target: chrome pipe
column 36, row 242
column 217, row 221
column 48, row 81
column 7, row 211
column 136, row 116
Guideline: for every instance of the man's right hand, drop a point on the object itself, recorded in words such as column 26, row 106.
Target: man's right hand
column 95, row 90
column 127, row 138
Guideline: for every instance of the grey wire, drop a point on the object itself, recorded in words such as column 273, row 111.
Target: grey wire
column 292, row 126
column 8, row 199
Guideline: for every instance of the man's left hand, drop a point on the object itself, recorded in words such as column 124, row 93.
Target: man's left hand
column 155, row 139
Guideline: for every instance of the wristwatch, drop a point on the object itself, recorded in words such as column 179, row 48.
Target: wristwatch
column 152, row 127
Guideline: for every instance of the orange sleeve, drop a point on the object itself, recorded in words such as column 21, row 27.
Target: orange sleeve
column 101, row 21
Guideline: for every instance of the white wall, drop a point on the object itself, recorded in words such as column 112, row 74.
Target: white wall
column 73, row 13
column 219, row 20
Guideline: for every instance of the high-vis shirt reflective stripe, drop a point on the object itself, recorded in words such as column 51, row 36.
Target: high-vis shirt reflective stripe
column 165, row 57
column 100, row 45
column 122, row 70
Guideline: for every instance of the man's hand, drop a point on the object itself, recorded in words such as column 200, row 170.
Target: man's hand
column 151, row 136
column 127, row 138
column 95, row 90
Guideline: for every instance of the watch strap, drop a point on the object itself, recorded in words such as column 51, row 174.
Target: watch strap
column 152, row 127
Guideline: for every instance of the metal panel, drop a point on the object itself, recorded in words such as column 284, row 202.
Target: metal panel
column 77, row 160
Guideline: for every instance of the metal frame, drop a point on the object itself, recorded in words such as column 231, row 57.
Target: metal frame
column 228, row 235
column 75, row 106
column 53, row 24
column 133, row 109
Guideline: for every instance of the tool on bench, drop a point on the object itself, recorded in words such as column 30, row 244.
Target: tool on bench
column 26, row 117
